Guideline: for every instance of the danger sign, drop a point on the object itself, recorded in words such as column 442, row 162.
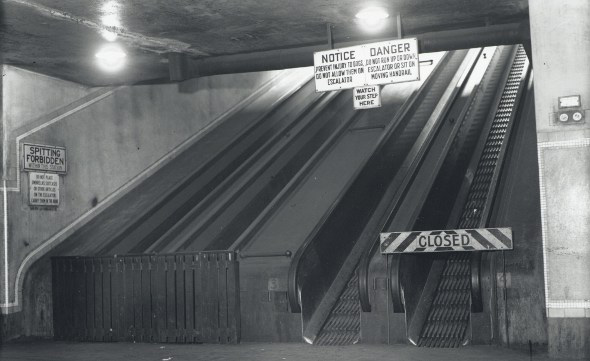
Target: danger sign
column 485, row 239
column 379, row 63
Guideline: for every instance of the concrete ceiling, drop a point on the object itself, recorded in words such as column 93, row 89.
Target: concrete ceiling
column 61, row 37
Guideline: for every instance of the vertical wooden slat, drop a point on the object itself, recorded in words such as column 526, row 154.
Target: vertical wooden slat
column 69, row 298
column 210, row 292
column 200, row 265
column 223, row 325
column 180, row 288
column 170, row 298
column 128, row 307
column 114, row 297
column 146, row 299
column 122, row 316
column 78, row 325
column 106, row 298
column 84, row 302
column 90, row 299
column 159, row 295
column 190, row 271
column 233, row 301
column 64, row 297
column 56, row 293
column 203, row 291
column 137, row 332
column 98, row 300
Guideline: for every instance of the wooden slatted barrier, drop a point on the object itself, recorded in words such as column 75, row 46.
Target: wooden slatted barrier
column 180, row 298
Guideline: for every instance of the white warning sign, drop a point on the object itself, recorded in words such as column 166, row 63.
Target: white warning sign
column 367, row 97
column 37, row 157
column 482, row 239
column 385, row 62
column 43, row 189
column 339, row 68
column 392, row 62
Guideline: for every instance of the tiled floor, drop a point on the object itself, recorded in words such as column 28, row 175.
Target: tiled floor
column 70, row 351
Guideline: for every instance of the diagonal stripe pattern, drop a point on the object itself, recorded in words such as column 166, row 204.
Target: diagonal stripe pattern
column 484, row 239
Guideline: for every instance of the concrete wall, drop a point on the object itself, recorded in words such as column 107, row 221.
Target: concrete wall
column 560, row 34
column 520, row 300
column 112, row 136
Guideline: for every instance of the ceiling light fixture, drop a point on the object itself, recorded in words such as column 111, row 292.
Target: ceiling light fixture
column 109, row 35
column 110, row 7
column 372, row 19
column 111, row 20
column 111, row 58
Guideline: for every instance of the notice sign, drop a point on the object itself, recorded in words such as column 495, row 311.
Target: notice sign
column 43, row 189
column 380, row 63
column 485, row 239
column 339, row 68
column 367, row 97
column 48, row 158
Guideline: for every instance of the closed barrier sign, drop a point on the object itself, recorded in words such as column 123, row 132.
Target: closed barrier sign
column 37, row 157
column 483, row 239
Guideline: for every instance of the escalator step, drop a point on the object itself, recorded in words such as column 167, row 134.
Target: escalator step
column 329, row 338
column 343, row 324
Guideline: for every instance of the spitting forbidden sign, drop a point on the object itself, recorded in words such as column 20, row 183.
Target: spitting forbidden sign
column 45, row 158
column 379, row 63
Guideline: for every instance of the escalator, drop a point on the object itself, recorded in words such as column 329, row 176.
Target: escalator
column 335, row 305
column 322, row 268
column 456, row 294
column 436, row 307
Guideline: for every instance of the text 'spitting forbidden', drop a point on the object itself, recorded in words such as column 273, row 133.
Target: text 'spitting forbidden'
column 48, row 158
column 43, row 189
column 367, row 97
column 380, row 63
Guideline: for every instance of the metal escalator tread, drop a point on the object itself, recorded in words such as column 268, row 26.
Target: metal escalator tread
column 449, row 315
column 343, row 325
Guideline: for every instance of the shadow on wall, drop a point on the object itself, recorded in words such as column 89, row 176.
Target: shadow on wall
column 217, row 85
column 35, row 321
